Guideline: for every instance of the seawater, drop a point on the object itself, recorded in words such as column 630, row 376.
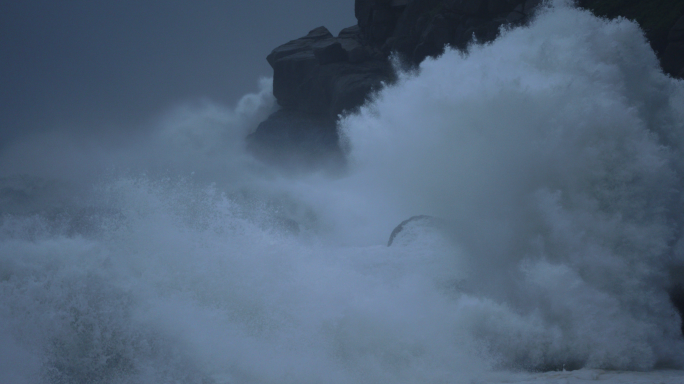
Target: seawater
column 553, row 155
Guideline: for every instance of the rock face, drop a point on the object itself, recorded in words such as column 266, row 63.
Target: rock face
column 661, row 20
column 325, row 75
column 673, row 54
column 677, row 299
column 316, row 78
column 319, row 76
column 420, row 28
column 292, row 139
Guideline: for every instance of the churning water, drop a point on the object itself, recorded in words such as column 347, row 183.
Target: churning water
column 553, row 158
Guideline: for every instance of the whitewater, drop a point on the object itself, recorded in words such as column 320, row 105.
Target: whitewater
column 553, row 158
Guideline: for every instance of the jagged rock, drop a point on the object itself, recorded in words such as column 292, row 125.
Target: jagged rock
column 355, row 51
column 426, row 27
column 315, row 79
column 322, row 76
column 673, row 59
column 377, row 19
column 291, row 74
column 515, row 16
column 677, row 298
column 329, row 51
column 292, row 138
column 292, row 63
column 353, row 32
column 302, row 44
column 410, row 26
column 351, row 40
column 469, row 7
column 437, row 35
column 677, row 31
column 327, row 89
column 501, row 6
column 297, row 133
column 350, row 84
column 673, row 56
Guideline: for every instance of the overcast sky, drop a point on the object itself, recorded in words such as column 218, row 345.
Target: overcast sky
column 95, row 65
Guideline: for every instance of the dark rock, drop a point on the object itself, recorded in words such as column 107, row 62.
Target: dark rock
column 316, row 78
column 329, row 51
column 677, row 299
column 408, row 28
column 350, row 85
column 363, row 9
column 353, row 32
column 500, row 6
column 292, row 63
column 673, row 58
column 351, row 40
column 469, row 7
column 531, row 5
column 356, row 53
column 437, row 35
column 318, row 34
column 377, row 18
column 290, row 74
column 515, row 17
column 291, row 138
column 383, row 25
column 300, row 82
column 677, row 31
column 299, row 45
column 322, row 76
column 485, row 30
column 426, row 27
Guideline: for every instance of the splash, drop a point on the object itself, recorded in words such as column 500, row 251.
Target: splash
column 552, row 158
column 555, row 153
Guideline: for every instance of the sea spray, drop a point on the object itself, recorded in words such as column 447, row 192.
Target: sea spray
column 550, row 152
column 553, row 154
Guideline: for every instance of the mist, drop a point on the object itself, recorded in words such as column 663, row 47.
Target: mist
column 551, row 157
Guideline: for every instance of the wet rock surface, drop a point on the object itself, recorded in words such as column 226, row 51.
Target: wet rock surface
column 660, row 19
column 295, row 139
column 319, row 76
column 673, row 54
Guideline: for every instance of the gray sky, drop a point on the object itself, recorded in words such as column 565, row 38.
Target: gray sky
column 96, row 65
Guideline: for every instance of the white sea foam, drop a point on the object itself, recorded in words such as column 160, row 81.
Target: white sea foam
column 552, row 157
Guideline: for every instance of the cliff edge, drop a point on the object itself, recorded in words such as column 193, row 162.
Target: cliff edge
column 320, row 76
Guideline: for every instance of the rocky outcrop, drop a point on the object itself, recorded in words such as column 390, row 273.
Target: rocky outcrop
column 661, row 20
column 420, row 28
column 315, row 79
column 325, row 75
column 677, row 298
column 318, row 77
column 673, row 54
column 294, row 139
